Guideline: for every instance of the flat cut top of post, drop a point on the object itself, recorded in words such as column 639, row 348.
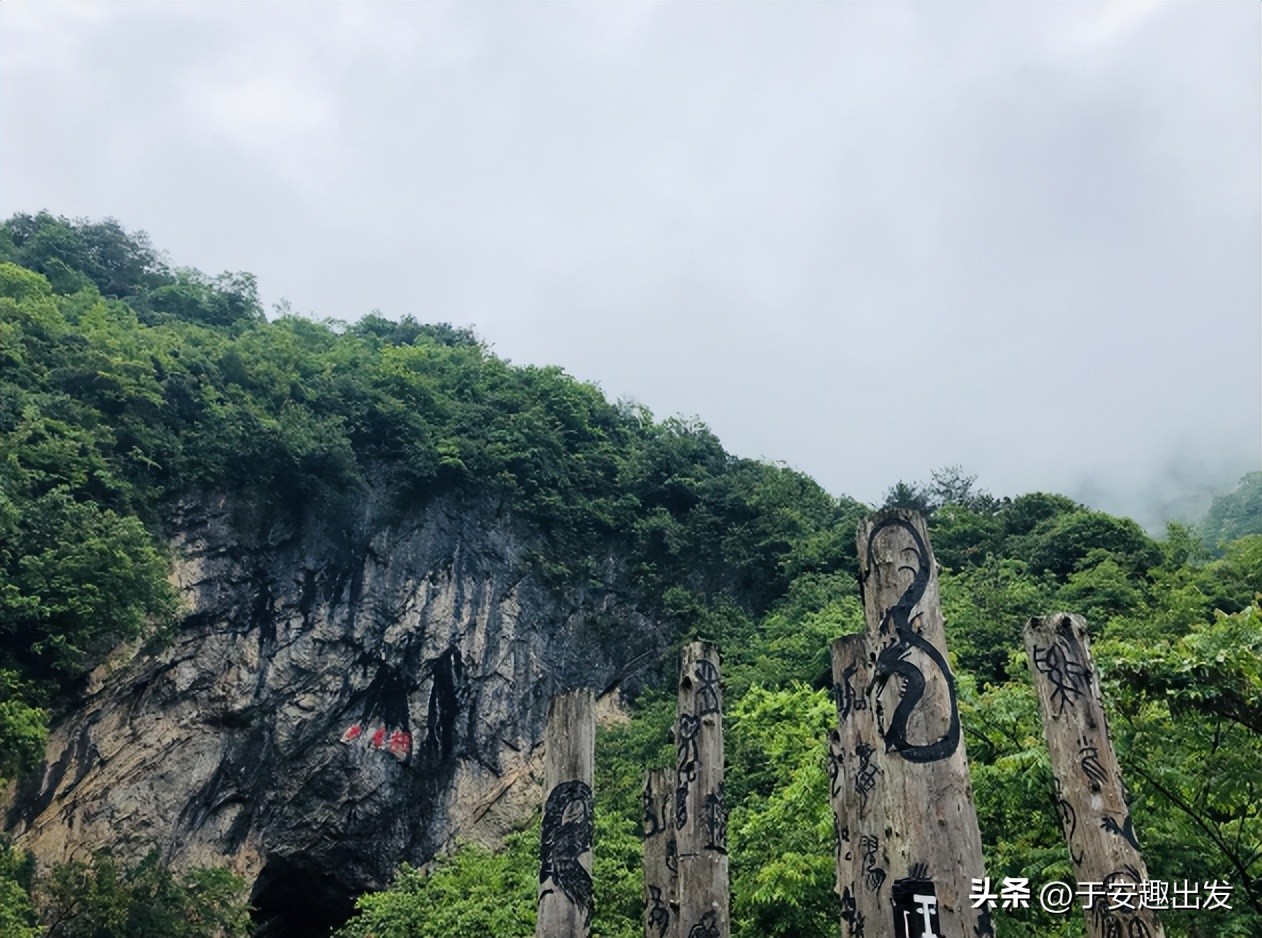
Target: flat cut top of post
column 570, row 737
column 701, row 648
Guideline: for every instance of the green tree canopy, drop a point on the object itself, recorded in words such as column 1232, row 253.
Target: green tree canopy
column 1236, row 513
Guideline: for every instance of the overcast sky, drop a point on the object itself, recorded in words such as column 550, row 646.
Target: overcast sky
column 866, row 240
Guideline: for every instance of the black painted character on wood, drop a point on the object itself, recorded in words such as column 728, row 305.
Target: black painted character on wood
column 865, row 778
column 873, row 875
column 1125, row 830
column 835, row 765
column 1120, row 921
column 1092, row 767
column 1069, row 820
column 687, row 748
column 894, row 661
column 715, row 821
column 708, row 927
column 844, row 696
column 566, row 836
column 654, row 821
column 658, row 912
column 984, row 927
column 687, row 755
column 1061, row 663
column 851, row 915
column 841, row 840
column 707, row 676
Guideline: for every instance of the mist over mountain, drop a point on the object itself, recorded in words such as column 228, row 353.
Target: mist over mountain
column 1043, row 217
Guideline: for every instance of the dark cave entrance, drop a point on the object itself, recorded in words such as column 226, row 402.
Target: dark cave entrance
column 292, row 901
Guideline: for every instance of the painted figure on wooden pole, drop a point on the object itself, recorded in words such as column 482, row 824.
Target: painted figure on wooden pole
column 565, row 842
column 567, row 835
column 907, row 652
column 898, row 769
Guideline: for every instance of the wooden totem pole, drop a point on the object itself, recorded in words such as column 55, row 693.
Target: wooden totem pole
column 908, row 845
column 1090, row 797
column 565, row 848
column 699, row 813
column 852, row 776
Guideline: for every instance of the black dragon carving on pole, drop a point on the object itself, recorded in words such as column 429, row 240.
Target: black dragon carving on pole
column 894, row 658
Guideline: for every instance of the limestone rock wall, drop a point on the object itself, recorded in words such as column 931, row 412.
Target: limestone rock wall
column 329, row 707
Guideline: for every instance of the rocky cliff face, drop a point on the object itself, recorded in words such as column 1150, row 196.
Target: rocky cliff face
column 329, row 707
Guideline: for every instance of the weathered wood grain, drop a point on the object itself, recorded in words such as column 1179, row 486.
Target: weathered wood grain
column 699, row 811
column 1091, row 798
column 565, row 850
column 661, row 867
column 913, row 842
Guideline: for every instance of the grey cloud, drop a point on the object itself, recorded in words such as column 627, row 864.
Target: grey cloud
column 864, row 239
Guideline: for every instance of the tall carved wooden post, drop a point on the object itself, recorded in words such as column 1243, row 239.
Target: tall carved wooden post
column 700, row 814
column 661, row 868
column 852, row 777
column 565, row 848
column 1090, row 798
column 915, row 848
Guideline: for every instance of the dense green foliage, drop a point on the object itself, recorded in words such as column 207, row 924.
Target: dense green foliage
column 1235, row 514
column 128, row 386
column 105, row 899
column 473, row 894
column 17, row 875
column 146, row 901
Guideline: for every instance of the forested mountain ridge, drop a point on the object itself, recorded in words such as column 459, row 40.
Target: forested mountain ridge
column 153, row 422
